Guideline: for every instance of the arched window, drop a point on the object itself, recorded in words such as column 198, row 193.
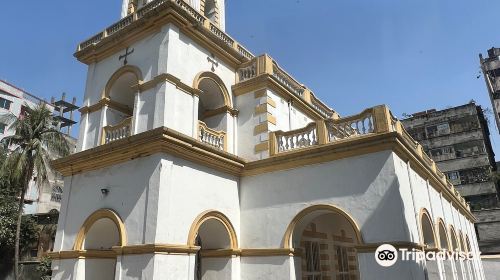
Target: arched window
column 428, row 237
column 211, row 10
column 455, row 246
column 443, row 236
column 328, row 237
column 427, row 229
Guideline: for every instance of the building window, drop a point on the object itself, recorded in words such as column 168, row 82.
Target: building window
column 2, row 128
column 313, row 271
column 56, row 195
column 5, row 104
column 343, row 263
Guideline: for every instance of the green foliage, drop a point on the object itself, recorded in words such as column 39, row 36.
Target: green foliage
column 45, row 266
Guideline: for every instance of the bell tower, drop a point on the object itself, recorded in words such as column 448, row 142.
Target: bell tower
column 214, row 10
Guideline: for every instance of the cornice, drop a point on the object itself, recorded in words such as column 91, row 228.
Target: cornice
column 164, row 140
column 160, row 140
column 167, row 12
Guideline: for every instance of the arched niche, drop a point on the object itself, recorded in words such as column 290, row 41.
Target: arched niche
column 214, row 234
column 443, row 235
column 215, row 112
column 327, row 237
column 455, row 246
column 455, row 243
column 101, row 231
column 427, row 232
column 119, row 86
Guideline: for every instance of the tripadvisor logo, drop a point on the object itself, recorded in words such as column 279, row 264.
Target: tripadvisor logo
column 386, row 255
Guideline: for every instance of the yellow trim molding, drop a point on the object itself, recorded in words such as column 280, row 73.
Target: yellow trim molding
column 218, row 81
column 167, row 249
column 212, row 215
column 164, row 140
column 144, row 86
column 82, row 254
column 106, row 102
column 94, row 217
column 288, row 238
column 120, row 72
column 262, row 147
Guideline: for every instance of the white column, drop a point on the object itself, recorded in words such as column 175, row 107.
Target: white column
column 196, row 102
column 135, row 113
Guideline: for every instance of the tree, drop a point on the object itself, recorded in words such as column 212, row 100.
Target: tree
column 35, row 143
column 8, row 214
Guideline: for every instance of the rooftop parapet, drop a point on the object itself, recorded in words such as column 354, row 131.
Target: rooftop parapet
column 158, row 7
column 371, row 122
column 266, row 65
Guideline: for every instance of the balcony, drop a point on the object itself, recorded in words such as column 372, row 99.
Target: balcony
column 117, row 132
column 212, row 137
column 265, row 65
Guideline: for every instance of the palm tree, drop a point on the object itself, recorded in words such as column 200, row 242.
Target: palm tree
column 36, row 141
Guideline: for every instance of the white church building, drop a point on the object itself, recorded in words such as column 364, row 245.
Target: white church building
column 199, row 160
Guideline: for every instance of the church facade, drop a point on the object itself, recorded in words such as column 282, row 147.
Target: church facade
column 199, row 160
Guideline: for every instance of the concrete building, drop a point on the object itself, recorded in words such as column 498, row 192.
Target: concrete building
column 199, row 160
column 490, row 67
column 458, row 139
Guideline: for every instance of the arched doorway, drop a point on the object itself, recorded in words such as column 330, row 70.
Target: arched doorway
column 121, row 98
column 327, row 238
column 428, row 237
column 215, row 113
column 99, row 234
column 214, row 234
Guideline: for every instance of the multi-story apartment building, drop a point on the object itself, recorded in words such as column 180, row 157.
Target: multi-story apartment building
column 458, row 140
column 490, row 67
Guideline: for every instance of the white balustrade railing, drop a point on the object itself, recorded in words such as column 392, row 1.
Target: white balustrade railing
column 117, row 132
column 153, row 7
column 297, row 139
column 248, row 72
column 287, row 81
column 350, row 127
column 211, row 137
column 221, row 35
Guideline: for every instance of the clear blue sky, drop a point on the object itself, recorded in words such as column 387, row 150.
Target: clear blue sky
column 410, row 54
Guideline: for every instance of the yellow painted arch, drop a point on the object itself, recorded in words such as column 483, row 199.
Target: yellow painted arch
column 424, row 214
column 321, row 207
column 211, row 76
column 123, row 70
column 94, row 217
column 212, row 215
